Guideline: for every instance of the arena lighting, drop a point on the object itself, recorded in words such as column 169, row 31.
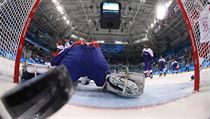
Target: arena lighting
column 61, row 12
column 59, row 8
column 162, row 9
column 74, row 36
column 64, row 17
column 161, row 12
column 100, row 41
column 152, row 25
column 89, row 20
column 138, row 41
column 55, row 1
column 118, row 42
column 145, row 39
column 143, row 1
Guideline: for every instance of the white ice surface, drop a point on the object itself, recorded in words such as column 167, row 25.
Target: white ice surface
column 194, row 106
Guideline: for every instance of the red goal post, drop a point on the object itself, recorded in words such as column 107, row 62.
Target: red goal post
column 16, row 16
column 196, row 14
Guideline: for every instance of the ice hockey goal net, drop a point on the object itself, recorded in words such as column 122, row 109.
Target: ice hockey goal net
column 15, row 17
column 197, row 17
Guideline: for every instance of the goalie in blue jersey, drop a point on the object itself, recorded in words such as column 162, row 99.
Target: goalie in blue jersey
column 86, row 60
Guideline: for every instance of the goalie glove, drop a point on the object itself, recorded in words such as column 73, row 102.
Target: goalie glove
column 127, row 87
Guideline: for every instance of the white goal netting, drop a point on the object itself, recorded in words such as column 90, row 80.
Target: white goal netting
column 14, row 16
column 197, row 17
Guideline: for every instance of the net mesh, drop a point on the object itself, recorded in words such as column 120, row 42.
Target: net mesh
column 13, row 17
column 198, row 13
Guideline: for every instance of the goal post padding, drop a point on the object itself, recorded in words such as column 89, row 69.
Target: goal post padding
column 15, row 19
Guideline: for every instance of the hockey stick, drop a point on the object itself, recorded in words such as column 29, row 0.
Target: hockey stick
column 41, row 96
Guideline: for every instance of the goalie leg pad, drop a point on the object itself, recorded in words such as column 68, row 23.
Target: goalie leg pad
column 131, row 87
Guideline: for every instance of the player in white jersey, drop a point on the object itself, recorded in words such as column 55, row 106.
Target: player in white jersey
column 59, row 45
column 148, row 56
column 66, row 43
column 175, row 66
column 162, row 67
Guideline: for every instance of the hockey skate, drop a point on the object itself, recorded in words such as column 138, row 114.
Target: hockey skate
column 164, row 74
column 84, row 80
column 151, row 76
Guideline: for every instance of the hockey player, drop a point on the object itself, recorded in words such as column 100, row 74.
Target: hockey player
column 187, row 66
column 86, row 60
column 66, row 43
column 162, row 67
column 174, row 66
column 59, row 45
column 148, row 56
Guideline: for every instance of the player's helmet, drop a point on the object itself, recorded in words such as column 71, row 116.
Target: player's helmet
column 146, row 45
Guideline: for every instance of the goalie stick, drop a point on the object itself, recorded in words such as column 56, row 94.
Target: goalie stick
column 41, row 96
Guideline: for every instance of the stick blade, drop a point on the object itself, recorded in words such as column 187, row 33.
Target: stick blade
column 41, row 96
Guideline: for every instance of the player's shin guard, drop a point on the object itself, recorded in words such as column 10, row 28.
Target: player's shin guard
column 128, row 87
